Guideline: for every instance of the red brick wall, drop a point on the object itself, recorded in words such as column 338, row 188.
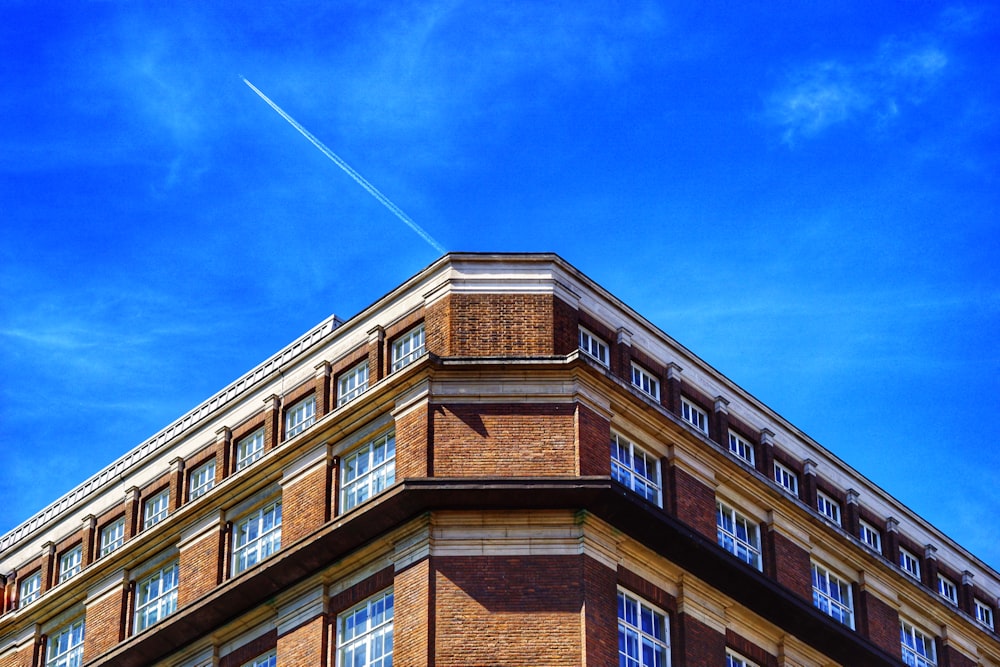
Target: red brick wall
column 600, row 615
column 878, row 621
column 693, row 502
column 951, row 658
column 594, row 436
column 105, row 624
column 472, row 440
column 694, row 643
column 521, row 610
column 789, row 564
column 493, row 325
column 305, row 645
column 745, row 647
column 305, row 504
column 199, row 569
column 251, row 650
column 565, row 327
column 412, row 438
column 413, row 628
column 22, row 658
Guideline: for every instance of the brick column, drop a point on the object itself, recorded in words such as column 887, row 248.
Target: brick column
column 765, row 454
column 224, row 446
column 891, row 545
column 107, row 614
column 673, row 393
column 787, row 554
column 877, row 619
column 966, row 594
column 89, row 537
column 305, row 494
column 593, row 433
column 699, row 633
column 930, row 567
column 852, row 513
column 176, row 483
column 201, row 558
column 48, row 566
column 377, row 365
column 692, row 500
column 273, row 431
column 718, row 430
column 133, row 512
column 808, row 490
column 621, row 354
column 303, row 629
column 4, row 593
column 322, row 389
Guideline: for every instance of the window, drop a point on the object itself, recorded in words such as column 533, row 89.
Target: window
column 156, row 597
column 593, row 346
column 353, row 383
column 30, row 589
column 645, row 382
column 947, row 590
column 738, row 535
column 66, row 646
column 740, row 448
column 249, row 449
column 694, row 415
column 984, row 614
column 828, row 507
column 643, row 635
column 70, row 563
column 112, row 536
column 156, row 509
column 408, row 348
column 918, row 648
column 201, row 480
column 300, row 417
column 871, row 536
column 368, row 471
column 786, row 478
column 909, row 563
column 832, row 596
column 636, row 468
column 256, row 536
column 364, row 633
column 737, row 660
column 269, row 659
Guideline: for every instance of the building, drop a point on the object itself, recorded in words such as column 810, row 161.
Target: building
column 497, row 463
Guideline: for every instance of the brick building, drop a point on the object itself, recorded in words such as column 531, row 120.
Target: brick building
column 497, row 463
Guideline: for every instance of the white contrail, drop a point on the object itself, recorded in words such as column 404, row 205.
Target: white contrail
column 358, row 178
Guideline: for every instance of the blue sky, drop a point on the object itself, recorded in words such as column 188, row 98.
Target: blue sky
column 805, row 195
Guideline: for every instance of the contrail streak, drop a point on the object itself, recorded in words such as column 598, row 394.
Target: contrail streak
column 358, row 178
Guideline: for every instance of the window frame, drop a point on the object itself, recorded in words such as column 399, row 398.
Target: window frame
column 587, row 341
column 783, row 474
column 404, row 351
column 642, row 638
column 910, row 654
column 269, row 659
column 828, row 507
column 905, row 557
column 741, row 443
column 299, row 416
column 377, row 476
column 164, row 603
column 70, row 563
column 266, row 542
column 645, row 381
column 367, row 636
column 825, row 598
column 694, row 415
column 115, row 529
column 198, row 488
column 150, row 518
column 867, row 533
column 983, row 613
column 29, row 589
column 72, row 654
column 246, row 455
column 627, row 473
column 742, row 548
column 947, row 589
column 349, row 386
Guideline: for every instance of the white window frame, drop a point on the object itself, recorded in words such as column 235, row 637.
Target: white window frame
column 365, row 631
column 633, row 636
column 112, row 536
column 909, row 563
column 738, row 534
column 300, row 416
column 269, row 659
column 631, row 465
column 919, row 649
column 249, row 449
column 408, row 348
column 828, row 507
column 594, row 346
column 734, row 659
column 66, row 646
column 156, row 509
column 984, row 613
column 352, row 383
column 832, row 595
column 947, row 589
column 70, row 563
column 786, row 478
column 156, row 596
column 740, row 447
column 694, row 415
column 367, row 471
column 29, row 590
column 870, row 535
column 201, row 479
column 645, row 381
column 256, row 536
